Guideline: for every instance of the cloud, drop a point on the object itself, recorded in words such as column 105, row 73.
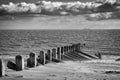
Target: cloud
column 20, row 8
column 110, row 9
column 100, row 9
column 48, row 7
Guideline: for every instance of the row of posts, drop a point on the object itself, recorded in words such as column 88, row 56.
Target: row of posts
column 55, row 54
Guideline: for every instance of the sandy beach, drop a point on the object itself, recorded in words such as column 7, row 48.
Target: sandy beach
column 105, row 69
column 28, row 26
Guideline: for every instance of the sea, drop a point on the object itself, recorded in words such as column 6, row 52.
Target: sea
column 14, row 42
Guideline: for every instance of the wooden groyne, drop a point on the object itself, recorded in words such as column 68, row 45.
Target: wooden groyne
column 58, row 54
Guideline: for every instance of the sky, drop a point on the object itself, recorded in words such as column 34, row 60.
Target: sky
column 58, row 22
column 34, row 1
column 54, row 22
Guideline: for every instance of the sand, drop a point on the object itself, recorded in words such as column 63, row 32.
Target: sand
column 105, row 69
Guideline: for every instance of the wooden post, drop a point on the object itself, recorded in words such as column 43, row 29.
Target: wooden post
column 19, row 62
column 59, row 53
column 54, row 53
column 67, row 48
column 2, row 68
column 99, row 56
column 72, row 48
column 49, row 55
column 42, row 57
column 75, row 47
column 79, row 45
column 62, row 53
column 32, row 61
column 64, row 50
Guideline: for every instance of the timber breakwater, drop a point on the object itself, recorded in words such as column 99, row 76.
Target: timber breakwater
column 59, row 54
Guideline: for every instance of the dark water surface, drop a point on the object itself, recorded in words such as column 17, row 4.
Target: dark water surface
column 24, row 41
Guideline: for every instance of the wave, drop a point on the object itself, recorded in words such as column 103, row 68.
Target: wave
column 63, row 8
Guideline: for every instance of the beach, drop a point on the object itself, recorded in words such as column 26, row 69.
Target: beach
column 22, row 31
column 105, row 69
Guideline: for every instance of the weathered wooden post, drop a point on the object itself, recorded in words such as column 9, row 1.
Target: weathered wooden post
column 76, row 46
column 64, row 50
column 59, row 53
column 98, row 55
column 49, row 55
column 72, row 48
column 42, row 57
column 54, row 53
column 69, row 48
column 62, row 53
column 32, row 60
column 2, row 67
column 79, row 45
column 19, row 60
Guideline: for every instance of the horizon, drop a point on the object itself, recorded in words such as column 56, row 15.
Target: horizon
column 54, row 29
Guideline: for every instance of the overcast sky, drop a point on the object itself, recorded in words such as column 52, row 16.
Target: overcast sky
column 58, row 22
column 55, row 22
column 34, row 1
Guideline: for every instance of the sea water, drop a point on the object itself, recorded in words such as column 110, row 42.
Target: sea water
column 24, row 41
